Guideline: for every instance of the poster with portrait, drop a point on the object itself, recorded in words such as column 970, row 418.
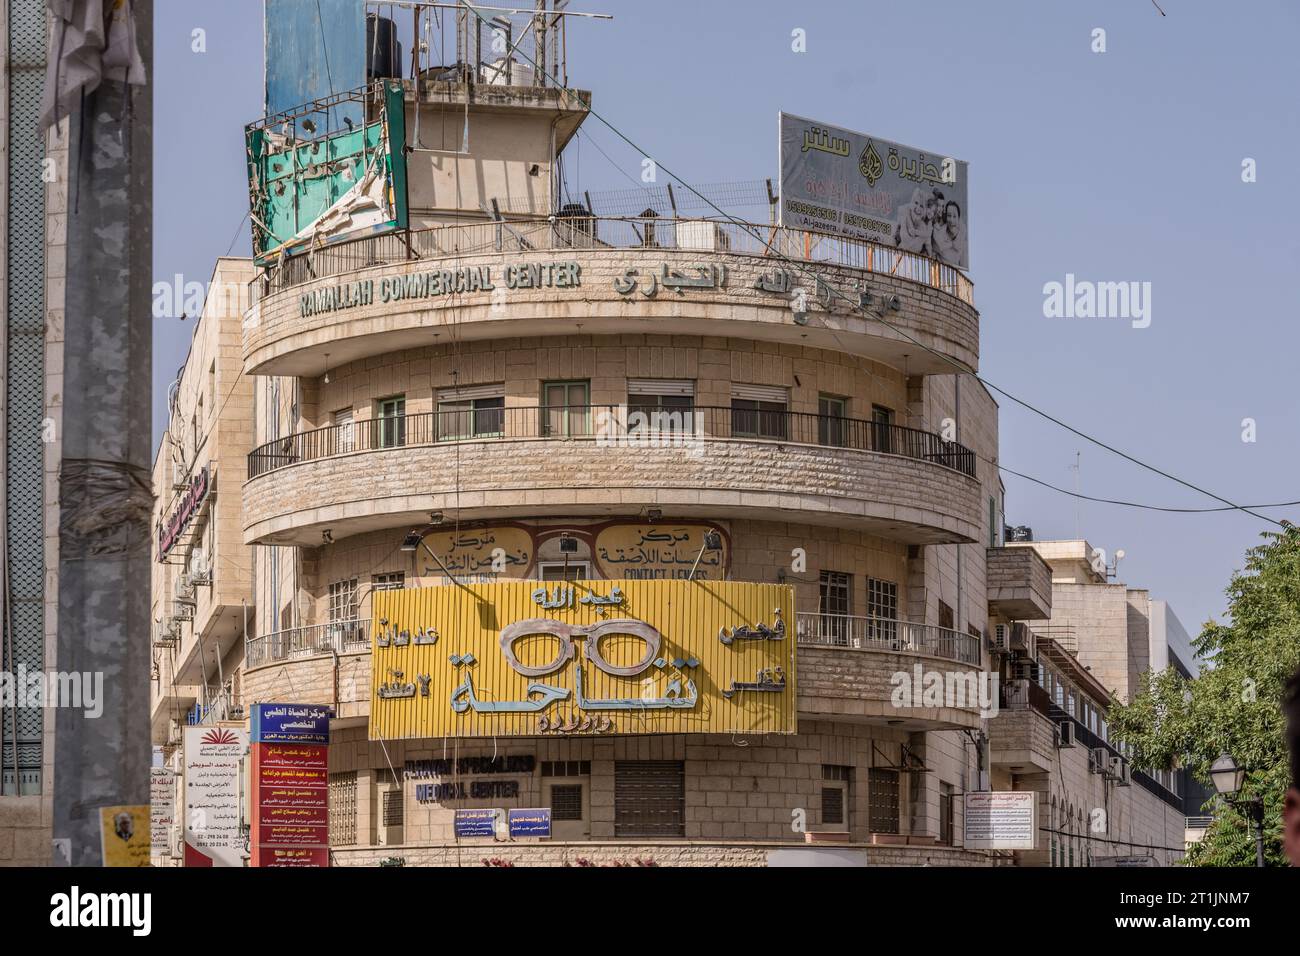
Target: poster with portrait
column 846, row 183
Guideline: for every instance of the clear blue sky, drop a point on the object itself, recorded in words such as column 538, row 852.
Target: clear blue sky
column 1118, row 166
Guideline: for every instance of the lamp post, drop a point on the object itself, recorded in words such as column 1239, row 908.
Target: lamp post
column 1228, row 778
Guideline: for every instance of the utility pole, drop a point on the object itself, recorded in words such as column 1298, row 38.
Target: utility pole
column 105, row 490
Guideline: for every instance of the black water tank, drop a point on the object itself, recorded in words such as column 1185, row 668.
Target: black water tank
column 383, row 49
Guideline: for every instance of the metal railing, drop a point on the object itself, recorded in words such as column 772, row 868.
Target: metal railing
column 884, row 634
column 310, row 640
column 615, row 424
column 563, row 233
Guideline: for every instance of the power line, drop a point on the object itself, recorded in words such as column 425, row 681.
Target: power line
column 856, row 307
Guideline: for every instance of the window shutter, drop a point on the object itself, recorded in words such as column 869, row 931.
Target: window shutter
column 761, row 393
column 660, row 386
column 469, row 392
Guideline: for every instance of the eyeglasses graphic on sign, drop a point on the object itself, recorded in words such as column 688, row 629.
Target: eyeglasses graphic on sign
column 464, row 699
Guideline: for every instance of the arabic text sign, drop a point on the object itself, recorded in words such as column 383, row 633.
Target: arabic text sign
column 527, row 658
column 658, row 551
column 531, row 822
column 1001, row 820
column 162, row 807
column 838, row 181
column 124, row 836
column 476, row 823
column 212, row 765
column 290, row 751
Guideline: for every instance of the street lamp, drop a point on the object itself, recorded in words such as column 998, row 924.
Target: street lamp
column 1229, row 777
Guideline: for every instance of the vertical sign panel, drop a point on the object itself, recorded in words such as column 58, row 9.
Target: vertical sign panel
column 213, row 758
column 290, row 750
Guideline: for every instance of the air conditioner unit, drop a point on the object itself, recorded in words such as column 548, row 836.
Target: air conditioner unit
column 1002, row 638
column 200, row 570
column 180, row 476
column 1022, row 670
column 1125, row 774
column 1022, row 639
column 1066, row 737
column 1097, row 758
column 1115, row 768
column 183, row 589
column 166, row 633
column 183, row 610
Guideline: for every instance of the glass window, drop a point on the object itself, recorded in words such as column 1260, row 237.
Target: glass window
column 566, row 802
column 566, row 409
column 392, row 422
column 758, row 419
column 344, row 441
column 343, row 600
column 560, row 571
column 832, row 424
column 882, row 611
column 835, row 605
column 882, row 428
column 471, row 418
column 945, row 814
column 882, row 800
column 945, row 616
column 392, row 581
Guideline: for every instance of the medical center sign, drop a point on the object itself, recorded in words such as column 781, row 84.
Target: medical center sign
column 583, row 658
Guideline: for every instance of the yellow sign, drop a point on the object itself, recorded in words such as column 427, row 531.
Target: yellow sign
column 590, row 658
column 124, row 835
column 669, row 551
column 481, row 551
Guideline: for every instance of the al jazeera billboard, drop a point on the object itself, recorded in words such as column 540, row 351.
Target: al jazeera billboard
column 583, row 658
column 851, row 184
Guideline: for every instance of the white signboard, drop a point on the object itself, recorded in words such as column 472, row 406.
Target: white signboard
column 850, row 184
column 1001, row 820
column 162, row 809
column 212, row 788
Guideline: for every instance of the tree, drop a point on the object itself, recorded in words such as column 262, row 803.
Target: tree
column 1234, row 705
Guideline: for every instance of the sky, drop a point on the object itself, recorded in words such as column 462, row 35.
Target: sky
column 1117, row 166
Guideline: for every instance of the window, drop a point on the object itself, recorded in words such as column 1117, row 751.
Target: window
column 392, row 808
column 945, row 814
column 566, row 408
column 566, row 768
column 993, row 522
column 945, row 616
column 343, row 600
column 835, row 793
column 882, row 800
column 559, row 571
column 344, row 440
column 649, row 798
column 476, row 411
column 835, row 605
column 212, row 385
column 882, row 611
column 392, row 422
column 759, row 411
column 832, row 413
column 566, row 802
column 392, row 581
column 882, row 428
column 343, row 808
column 660, row 405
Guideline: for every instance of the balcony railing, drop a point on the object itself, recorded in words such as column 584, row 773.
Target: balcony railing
column 884, row 634
column 614, row 424
column 310, row 640
column 591, row 232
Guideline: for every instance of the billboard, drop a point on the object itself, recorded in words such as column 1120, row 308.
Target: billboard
column 312, row 181
column 162, row 809
column 583, row 658
column 290, row 750
column 850, row 184
column 213, row 759
column 1001, row 820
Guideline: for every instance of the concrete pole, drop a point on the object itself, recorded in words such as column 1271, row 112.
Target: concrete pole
column 105, row 493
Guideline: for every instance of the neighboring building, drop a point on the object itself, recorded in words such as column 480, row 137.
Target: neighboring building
column 33, row 232
column 202, row 583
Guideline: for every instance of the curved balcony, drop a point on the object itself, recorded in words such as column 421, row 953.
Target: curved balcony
column 850, row 667
column 846, row 668
column 380, row 294
column 707, row 462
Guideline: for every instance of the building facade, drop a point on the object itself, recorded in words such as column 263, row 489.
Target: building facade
column 202, row 583
column 664, row 527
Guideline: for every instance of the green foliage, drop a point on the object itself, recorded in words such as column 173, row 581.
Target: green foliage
column 1234, row 706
